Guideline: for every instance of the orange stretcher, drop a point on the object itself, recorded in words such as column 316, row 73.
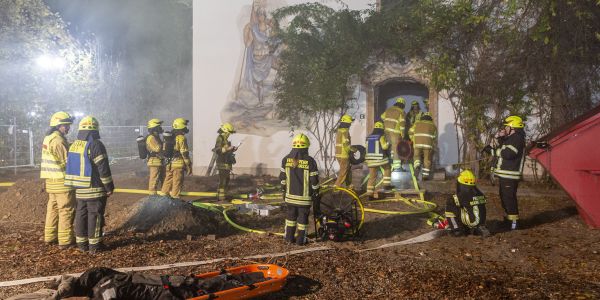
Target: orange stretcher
column 275, row 278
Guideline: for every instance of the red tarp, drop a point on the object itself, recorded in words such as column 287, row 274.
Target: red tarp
column 572, row 157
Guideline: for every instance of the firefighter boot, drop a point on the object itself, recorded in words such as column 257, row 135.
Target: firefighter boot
column 289, row 233
column 482, row 231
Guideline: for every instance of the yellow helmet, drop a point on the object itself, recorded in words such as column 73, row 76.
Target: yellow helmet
column 180, row 123
column 379, row 124
column 300, row 141
column 154, row 123
column 227, row 128
column 346, row 119
column 89, row 123
column 61, row 118
column 415, row 103
column 400, row 100
column 467, row 177
column 514, row 122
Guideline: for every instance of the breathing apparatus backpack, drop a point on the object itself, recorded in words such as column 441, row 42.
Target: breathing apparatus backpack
column 169, row 144
column 141, row 144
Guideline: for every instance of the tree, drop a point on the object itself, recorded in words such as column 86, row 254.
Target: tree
column 323, row 49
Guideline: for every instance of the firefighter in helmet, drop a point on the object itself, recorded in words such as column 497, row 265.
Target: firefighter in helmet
column 225, row 158
column 394, row 124
column 180, row 163
column 61, row 199
column 343, row 149
column 423, row 134
column 413, row 115
column 465, row 210
column 88, row 171
column 300, row 182
column 510, row 157
column 154, row 146
column 377, row 157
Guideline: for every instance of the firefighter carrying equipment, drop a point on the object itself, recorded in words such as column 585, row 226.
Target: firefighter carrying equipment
column 227, row 128
column 61, row 118
column 361, row 150
column 154, row 123
column 300, row 141
column 467, row 177
column 89, row 123
column 468, row 204
column 514, row 122
column 377, row 150
column 180, row 123
column 346, row 119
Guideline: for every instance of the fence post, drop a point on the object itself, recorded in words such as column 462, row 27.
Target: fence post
column 14, row 132
column 31, row 152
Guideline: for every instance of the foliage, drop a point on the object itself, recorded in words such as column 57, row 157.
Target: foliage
column 323, row 49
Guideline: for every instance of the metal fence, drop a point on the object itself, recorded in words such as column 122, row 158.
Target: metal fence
column 21, row 146
column 16, row 147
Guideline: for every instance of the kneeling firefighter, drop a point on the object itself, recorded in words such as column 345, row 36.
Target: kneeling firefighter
column 88, row 171
column 378, row 156
column 225, row 158
column 300, row 182
column 469, row 204
column 154, row 149
column 176, row 149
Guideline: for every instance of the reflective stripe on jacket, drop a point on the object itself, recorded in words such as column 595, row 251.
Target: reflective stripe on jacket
column 393, row 120
column 376, row 150
column 300, row 177
column 342, row 143
column 54, row 160
column 423, row 134
column 511, row 156
column 181, row 153
column 154, row 146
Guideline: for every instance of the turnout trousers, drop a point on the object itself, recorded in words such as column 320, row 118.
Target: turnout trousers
column 345, row 174
column 372, row 182
column 508, row 196
column 155, row 178
column 173, row 181
column 59, row 218
column 89, row 221
column 296, row 218
column 224, row 176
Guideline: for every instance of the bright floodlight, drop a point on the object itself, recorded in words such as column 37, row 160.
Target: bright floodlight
column 78, row 114
column 47, row 62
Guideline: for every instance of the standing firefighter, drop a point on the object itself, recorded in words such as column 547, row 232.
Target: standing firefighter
column 154, row 146
column 342, row 152
column 300, row 181
column 393, row 122
column 225, row 158
column 423, row 135
column 377, row 157
column 468, row 204
column 89, row 173
column 61, row 198
column 414, row 114
column 510, row 157
column 180, row 161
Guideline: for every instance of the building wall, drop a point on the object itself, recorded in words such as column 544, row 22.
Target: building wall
column 220, row 62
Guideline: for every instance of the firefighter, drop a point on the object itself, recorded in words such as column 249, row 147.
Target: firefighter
column 469, row 204
column 180, row 163
column 510, row 157
column 89, row 173
column 413, row 115
column 225, row 158
column 61, row 199
column 377, row 157
column 300, row 182
column 343, row 149
column 393, row 122
column 423, row 135
column 154, row 146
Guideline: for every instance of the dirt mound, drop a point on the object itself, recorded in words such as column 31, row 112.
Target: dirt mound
column 163, row 216
column 25, row 201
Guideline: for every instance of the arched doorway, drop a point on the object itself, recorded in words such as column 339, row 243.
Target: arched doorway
column 387, row 91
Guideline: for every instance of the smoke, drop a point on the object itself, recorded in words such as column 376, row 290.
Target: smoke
column 144, row 55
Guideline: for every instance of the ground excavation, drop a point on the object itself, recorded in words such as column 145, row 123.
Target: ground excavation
column 554, row 256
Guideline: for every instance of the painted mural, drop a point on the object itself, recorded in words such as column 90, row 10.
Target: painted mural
column 251, row 107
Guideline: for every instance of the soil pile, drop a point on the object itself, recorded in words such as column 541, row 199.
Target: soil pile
column 25, row 201
column 163, row 216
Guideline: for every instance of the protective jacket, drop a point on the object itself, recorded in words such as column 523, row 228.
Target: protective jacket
column 393, row 120
column 377, row 150
column 224, row 156
column 87, row 167
column 510, row 156
column 342, row 142
column 54, row 160
column 423, row 134
column 299, row 177
column 468, row 204
column 181, row 153
column 154, row 145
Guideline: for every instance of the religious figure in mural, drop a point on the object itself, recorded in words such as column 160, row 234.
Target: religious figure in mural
column 251, row 108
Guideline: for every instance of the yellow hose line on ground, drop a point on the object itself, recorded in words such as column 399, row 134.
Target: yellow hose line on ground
column 6, row 184
column 240, row 227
